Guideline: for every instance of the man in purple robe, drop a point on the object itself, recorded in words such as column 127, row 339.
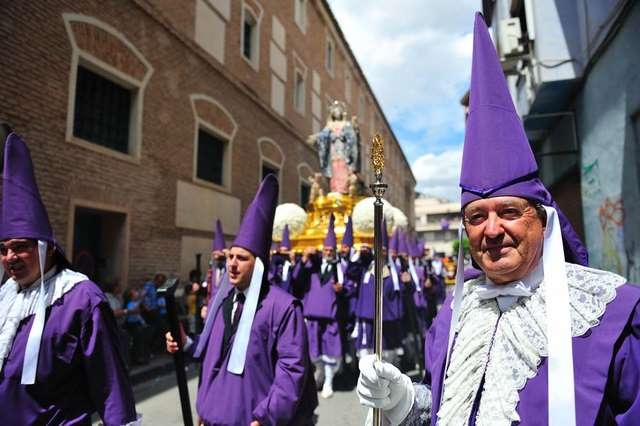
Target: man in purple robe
column 254, row 352
column 60, row 360
column 349, row 274
column 391, row 306
column 285, row 271
column 321, row 312
column 539, row 338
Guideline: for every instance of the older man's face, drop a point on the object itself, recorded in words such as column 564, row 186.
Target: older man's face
column 240, row 264
column 506, row 237
column 328, row 253
column 20, row 259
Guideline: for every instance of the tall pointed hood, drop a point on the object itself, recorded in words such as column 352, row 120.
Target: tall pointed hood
column 394, row 244
column 347, row 237
column 497, row 159
column 255, row 230
column 330, row 238
column 419, row 248
column 23, row 213
column 285, row 244
column 403, row 245
column 218, row 239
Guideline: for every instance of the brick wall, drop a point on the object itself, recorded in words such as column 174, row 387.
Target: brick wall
column 35, row 95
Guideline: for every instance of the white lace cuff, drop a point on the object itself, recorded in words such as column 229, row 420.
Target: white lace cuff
column 420, row 413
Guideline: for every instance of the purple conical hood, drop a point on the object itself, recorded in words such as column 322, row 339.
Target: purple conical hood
column 23, row 213
column 403, row 246
column 395, row 240
column 496, row 149
column 255, row 230
column 497, row 159
column 218, row 239
column 347, row 238
column 413, row 246
column 330, row 239
column 286, row 241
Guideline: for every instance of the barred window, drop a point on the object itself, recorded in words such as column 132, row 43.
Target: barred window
column 268, row 168
column 211, row 152
column 102, row 111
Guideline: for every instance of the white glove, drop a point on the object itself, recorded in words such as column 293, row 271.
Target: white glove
column 381, row 385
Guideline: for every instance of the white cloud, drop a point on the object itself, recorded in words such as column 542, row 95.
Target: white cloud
column 416, row 55
column 439, row 174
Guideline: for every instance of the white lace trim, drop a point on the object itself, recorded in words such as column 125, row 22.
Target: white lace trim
column 507, row 349
column 16, row 306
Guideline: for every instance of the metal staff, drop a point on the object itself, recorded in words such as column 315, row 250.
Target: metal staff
column 167, row 290
column 378, row 188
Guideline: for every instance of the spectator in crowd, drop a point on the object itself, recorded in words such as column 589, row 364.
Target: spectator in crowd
column 137, row 327
column 113, row 292
column 154, row 310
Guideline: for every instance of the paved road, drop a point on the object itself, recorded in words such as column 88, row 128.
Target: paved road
column 159, row 403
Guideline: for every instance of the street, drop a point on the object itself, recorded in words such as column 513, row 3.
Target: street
column 159, row 403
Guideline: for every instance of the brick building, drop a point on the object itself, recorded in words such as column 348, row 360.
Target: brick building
column 148, row 119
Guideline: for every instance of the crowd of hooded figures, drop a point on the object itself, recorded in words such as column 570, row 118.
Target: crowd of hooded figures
column 336, row 288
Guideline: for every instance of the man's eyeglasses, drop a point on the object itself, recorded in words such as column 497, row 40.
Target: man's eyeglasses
column 17, row 247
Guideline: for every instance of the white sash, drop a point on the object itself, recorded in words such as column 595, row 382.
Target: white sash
column 285, row 270
column 241, row 339
column 414, row 275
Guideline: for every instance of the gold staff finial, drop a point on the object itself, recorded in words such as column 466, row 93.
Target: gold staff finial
column 377, row 155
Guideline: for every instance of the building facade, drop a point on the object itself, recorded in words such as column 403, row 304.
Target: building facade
column 572, row 67
column 436, row 223
column 149, row 119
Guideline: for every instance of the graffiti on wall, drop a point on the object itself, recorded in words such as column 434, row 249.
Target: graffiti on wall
column 611, row 215
column 591, row 180
column 608, row 253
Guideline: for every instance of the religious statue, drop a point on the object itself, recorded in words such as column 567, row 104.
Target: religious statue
column 337, row 146
column 316, row 186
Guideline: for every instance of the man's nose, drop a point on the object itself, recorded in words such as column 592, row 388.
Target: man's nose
column 493, row 226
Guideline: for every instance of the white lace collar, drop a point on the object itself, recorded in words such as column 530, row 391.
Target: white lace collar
column 17, row 305
column 507, row 348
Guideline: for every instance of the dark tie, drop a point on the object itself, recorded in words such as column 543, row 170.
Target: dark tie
column 238, row 312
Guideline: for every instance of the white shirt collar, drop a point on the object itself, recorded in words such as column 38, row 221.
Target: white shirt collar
column 507, row 294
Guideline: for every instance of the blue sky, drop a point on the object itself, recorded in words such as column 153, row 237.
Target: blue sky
column 416, row 56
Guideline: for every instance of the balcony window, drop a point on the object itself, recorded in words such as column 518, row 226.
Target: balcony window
column 102, row 112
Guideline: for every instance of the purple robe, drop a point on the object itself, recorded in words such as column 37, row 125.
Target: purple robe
column 321, row 312
column 606, row 362
column 275, row 274
column 366, row 302
column 80, row 367
column 320, row 300
column 277, row 386
column 392, row 312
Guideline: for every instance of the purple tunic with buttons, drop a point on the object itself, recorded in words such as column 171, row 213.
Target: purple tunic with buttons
column 276, row 386
column 80, row 368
